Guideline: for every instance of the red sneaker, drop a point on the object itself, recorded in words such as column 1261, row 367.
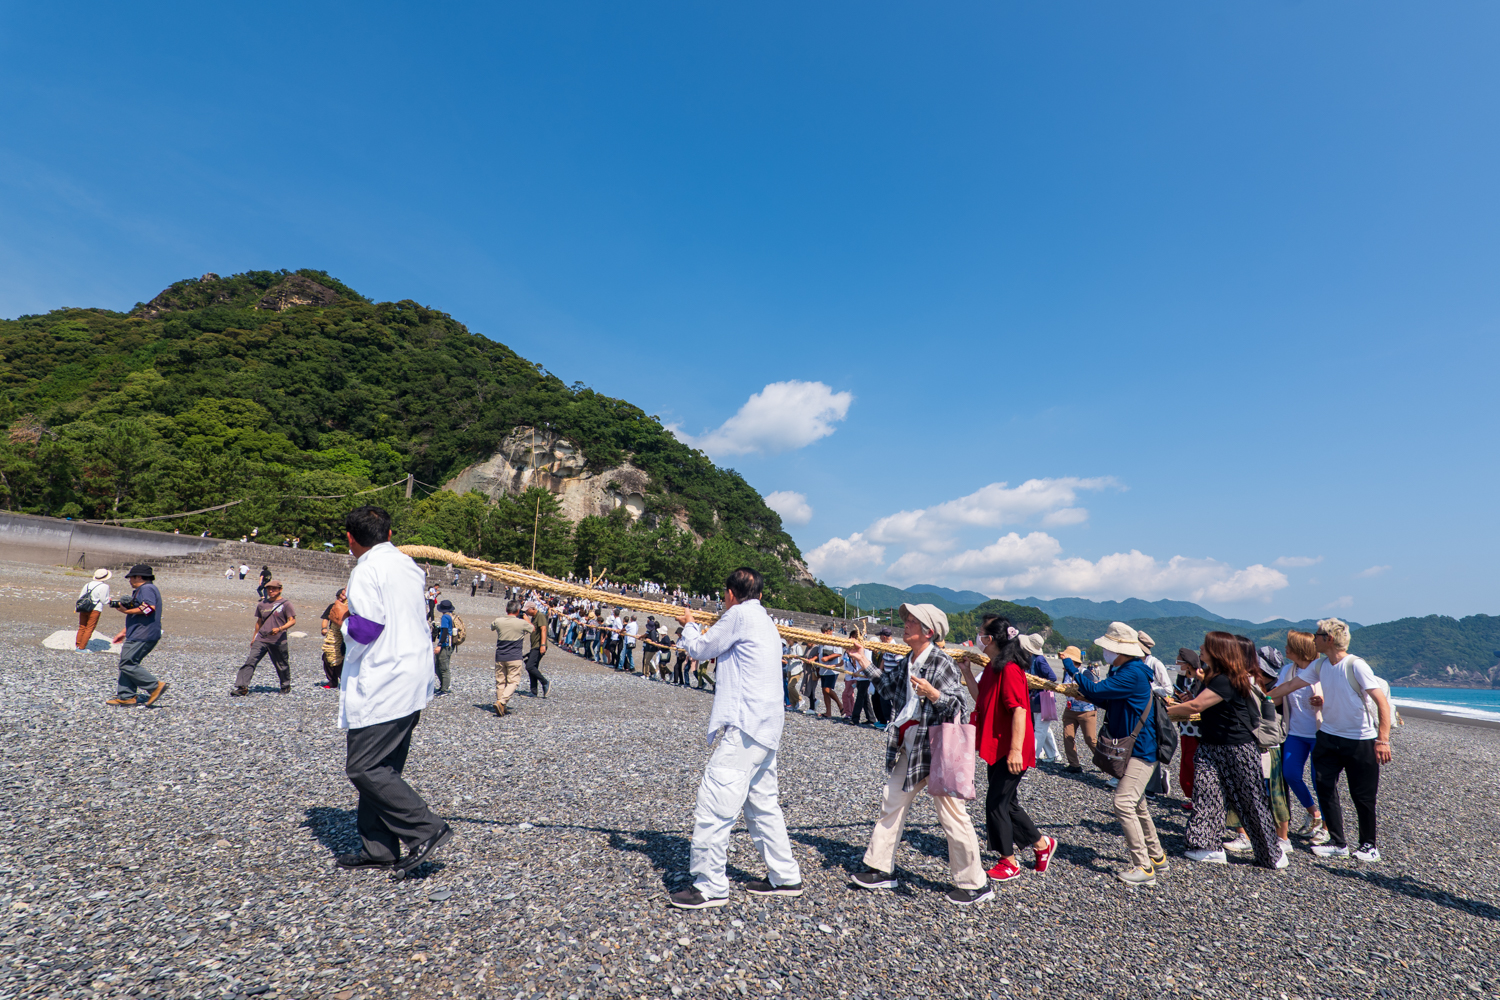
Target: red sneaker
column 1187, row 805
column 1005, row 871
column 1044, row 855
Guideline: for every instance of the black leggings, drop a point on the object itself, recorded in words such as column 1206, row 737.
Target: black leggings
column 1005, row 820
column 1333, row 755
column 533, row 669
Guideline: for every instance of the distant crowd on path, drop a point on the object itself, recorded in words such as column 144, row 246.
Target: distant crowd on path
column 1243, row 722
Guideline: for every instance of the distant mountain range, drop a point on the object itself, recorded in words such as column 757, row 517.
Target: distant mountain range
column 1134, row 609
column 871, row 596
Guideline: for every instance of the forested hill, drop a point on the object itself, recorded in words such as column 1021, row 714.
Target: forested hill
column 266, row 384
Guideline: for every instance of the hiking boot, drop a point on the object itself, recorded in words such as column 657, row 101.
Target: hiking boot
column 157, row 692
column 1161, row 864
column 1044, row 855
column 872, row 879
column 121, row 702
column 1137, row 877
column 968, row 897
column 692, row 899
column 500, row 711
column 238, row 692
column 763, row 887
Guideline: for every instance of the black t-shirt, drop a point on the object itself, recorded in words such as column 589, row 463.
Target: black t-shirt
column 1233, row 720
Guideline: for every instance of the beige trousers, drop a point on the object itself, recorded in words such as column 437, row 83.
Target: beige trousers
column 507, row 676
column 963, row 844
column 1135, row 817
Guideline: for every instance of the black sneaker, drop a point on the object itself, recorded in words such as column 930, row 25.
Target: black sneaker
column 763, row 887
column 361, row 861
column 968, row 897
column 692, row 899
column 422, row 852
column 872, row 879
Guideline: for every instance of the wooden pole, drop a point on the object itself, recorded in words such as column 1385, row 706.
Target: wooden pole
column 409, row 479
column 535, row 524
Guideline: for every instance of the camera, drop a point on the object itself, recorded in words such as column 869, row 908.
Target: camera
column 122, row 603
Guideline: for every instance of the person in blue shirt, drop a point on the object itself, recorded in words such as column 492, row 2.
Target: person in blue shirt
column 1125, row 695
column 442, row 645
column 140, row 635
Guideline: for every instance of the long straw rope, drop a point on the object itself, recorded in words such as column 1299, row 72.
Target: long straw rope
column 519, row 576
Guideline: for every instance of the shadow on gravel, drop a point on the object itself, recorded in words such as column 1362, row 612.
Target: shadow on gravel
column 1405, row 885
column 334, row 828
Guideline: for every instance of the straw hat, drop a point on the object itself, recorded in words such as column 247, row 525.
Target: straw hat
column 1120, row 638
column 102, row 574
column 1072, row 653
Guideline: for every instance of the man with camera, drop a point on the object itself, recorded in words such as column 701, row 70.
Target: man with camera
column 142, row 631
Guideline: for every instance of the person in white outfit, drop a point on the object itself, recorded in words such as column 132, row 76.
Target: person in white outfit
column 744, row 730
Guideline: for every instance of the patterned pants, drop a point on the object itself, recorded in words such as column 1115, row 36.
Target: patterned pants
column 1231, row 775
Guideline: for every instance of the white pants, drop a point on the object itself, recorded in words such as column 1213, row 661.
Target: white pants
column 1046, row 742
column 741, row 774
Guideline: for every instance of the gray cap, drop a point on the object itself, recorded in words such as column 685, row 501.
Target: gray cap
column 929, row 615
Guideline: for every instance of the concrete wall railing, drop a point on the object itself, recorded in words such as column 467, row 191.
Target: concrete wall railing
column 59, row 542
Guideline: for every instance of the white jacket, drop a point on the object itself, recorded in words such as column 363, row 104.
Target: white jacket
column 388, row 671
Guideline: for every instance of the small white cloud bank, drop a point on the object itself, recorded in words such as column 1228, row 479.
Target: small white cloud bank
column 929, row 546
column 1297, row 562
column 1342, row 604
column 784, row 416
column 1366, row 574
column 793, row 507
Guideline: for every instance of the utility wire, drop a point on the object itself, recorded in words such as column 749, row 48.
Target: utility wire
column 223, row 506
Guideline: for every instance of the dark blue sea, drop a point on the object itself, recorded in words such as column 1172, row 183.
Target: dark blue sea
column 1474, row 703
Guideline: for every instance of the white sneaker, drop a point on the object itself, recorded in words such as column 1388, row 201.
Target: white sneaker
column 1208, row 855
column 1310, row 825
column 1320, row 835
column 1239, row 845
column 1368, row 852
column 1283, row 859
column 1330, row 851
column 1286, row 845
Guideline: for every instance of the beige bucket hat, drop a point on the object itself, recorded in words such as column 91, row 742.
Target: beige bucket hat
column 930, row 615
column 1121, row 638
column 1032, row 643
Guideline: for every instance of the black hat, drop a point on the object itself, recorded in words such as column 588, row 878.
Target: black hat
column 885, row 633
column 141, row 569
column 445, row 605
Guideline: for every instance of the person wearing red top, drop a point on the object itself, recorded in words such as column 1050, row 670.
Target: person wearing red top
column 1004, row 738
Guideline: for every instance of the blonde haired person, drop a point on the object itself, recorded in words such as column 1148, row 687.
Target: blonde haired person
column 1352, row 739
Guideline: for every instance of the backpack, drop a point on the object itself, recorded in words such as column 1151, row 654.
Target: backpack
column 459, row 632
column 86, row 601
column 1166, row 732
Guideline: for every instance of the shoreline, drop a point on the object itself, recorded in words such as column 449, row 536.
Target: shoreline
column 1434, row 715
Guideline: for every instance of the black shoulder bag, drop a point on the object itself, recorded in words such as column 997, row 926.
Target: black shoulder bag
column 1111, row 755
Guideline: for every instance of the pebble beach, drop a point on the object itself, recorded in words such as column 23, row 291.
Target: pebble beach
column 186, row 850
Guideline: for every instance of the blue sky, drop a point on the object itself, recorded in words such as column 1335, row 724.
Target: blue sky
column 1158, row 300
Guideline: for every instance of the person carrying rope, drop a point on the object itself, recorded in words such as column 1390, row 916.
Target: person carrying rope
column 744, row 729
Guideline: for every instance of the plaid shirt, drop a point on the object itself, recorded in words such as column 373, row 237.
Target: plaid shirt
column 941, row 672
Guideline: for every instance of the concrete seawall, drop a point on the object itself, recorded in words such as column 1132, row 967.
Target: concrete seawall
column 57, row 542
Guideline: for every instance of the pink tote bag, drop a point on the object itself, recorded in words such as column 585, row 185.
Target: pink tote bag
column 952, row 772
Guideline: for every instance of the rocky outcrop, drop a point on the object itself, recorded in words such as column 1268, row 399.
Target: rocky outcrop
column 1451, row 676
column 174, row 299
column 297, row 291
column 533, row 456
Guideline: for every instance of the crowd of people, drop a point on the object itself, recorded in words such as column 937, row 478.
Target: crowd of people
column 1244, row 723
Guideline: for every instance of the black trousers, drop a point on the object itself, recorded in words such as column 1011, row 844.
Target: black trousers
column 1333, row 755
column 280, row 659
column 1004, row 819
column 861, row 703
column 882, row 713
column 534, row 671
column 390, row 812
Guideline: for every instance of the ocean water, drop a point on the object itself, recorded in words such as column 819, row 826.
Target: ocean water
column 1474, row 703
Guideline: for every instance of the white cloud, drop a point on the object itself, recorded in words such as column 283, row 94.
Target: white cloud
column 1365, row 574
column 933, row 529
column 793, row 507
column 781, row 417
column 1297, row 562
column 1339, row 605
column 840, row 561
column 1135, row 574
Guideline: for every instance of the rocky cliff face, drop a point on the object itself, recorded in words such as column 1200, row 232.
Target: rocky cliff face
column 532, row 456
column 1450, row 676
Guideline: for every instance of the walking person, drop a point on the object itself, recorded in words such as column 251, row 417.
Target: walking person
column 1353, row 738
column 1079, row 717
column 1004, row 741
column 627, row 640
column 539, row 625
column 925, row 689
column 442, row 645
column 1228, row 766
column 1125, row 695
column 510, row 631
column 1046, row 741
column 829, row 658
column 92, row 600
column 140, row 635
column 274, row 617
column 1302, row 721
column 744, row 730
column 387, row 681
column 265, row 578
column 333, row 637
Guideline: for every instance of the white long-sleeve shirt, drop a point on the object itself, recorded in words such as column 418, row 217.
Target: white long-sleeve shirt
column 388, row 646
column 747, row 683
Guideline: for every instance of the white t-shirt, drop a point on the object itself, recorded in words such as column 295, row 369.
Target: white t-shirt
column 1301, row 717
column 1352, row 716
